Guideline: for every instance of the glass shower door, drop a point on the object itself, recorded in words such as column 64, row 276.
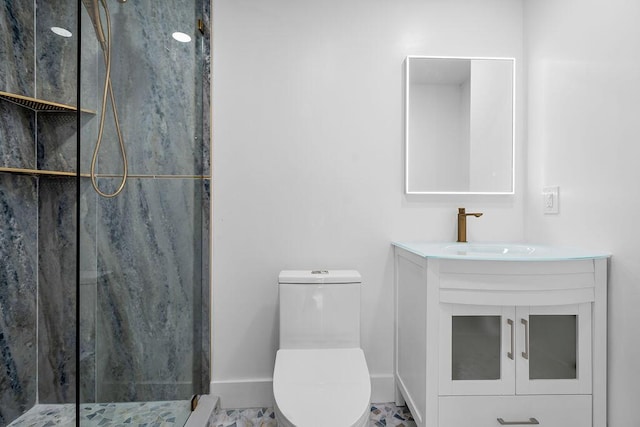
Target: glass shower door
column 144, row 253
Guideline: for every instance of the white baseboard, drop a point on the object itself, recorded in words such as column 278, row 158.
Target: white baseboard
column 250, row 393
column 382, row 388
column 258, row 392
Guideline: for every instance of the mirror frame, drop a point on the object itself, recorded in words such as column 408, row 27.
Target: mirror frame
column 406, row 126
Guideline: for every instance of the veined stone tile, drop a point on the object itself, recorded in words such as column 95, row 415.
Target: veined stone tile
column 204, row 374
column 18, row 228
column 17, row 136
column 16, row 47
column 57, row 141
column 206, row 91
column 57, row 290
column 56, row 56
column 88, row 291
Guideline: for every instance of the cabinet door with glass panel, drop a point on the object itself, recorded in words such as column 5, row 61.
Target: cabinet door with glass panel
column 477, row 350
column 554, row 349
column 506, row 350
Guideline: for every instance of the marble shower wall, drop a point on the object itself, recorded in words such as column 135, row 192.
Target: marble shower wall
column 206, row 89
column 18, row 217
column 205, row 353
column 56, row 80
column 57, row 200
column 56, row 56
column 17, row 125
column 16, row 47
column 38, row 213
column 88, row 291
column 18, row 234
column 56, row 147
column 206, row 200
column 17, row 136
column 56, row 290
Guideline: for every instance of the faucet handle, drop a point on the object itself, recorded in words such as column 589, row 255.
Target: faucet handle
column 463, row 212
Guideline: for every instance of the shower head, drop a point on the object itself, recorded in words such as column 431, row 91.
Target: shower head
column 94, row 13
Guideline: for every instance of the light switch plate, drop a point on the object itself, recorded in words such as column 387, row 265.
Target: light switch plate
column 551, row 199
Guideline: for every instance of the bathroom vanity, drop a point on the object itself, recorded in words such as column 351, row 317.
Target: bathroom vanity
column 489, row 334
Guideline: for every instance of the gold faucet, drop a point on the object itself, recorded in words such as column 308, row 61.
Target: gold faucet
column 462, row 224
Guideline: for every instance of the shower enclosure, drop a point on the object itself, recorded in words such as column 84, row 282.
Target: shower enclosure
column 104, row 301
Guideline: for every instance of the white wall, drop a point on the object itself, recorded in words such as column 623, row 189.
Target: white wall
column 584, row 135
column 308, row 161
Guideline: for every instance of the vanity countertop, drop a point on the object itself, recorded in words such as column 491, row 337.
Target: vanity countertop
column 498, row 251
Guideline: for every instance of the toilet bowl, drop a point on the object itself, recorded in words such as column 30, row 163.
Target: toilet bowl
column 319, row 388
column 320, row 376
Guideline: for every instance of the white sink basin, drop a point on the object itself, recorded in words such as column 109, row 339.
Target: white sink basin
column 479, row 249
column 497, row 251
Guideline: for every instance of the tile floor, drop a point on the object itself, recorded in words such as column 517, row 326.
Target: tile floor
column 174, row 414
column 382, row 414
column 137, row 414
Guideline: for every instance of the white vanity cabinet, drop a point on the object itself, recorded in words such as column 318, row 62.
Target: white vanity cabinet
column 490, row 340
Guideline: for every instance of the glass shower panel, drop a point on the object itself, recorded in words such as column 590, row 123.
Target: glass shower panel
column 138, row 328
column 144, row 253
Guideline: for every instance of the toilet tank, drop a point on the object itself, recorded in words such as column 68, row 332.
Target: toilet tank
column 319, row 309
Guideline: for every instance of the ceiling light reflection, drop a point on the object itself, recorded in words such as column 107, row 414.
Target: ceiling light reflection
column 61, row 31
column 181, row 37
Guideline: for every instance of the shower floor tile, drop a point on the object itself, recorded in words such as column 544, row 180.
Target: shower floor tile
column 136, row 414
column 47, row 415
column 382, row 414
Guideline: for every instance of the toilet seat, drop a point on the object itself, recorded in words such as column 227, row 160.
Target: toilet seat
column 321, row 387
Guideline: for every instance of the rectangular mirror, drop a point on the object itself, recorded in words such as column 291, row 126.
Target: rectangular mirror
column 459, row 129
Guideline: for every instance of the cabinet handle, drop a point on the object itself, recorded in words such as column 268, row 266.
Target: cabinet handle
column 525, row 353
column 513, row 350
column 530, row 421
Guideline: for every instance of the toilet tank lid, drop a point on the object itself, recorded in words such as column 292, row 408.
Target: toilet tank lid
column 319, row 276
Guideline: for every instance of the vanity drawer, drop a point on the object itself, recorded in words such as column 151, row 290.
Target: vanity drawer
column 484, row 411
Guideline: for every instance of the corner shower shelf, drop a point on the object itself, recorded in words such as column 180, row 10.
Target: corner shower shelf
column 40, row 105
column 41, row 172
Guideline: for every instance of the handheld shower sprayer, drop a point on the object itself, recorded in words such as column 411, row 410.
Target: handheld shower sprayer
column 93, row 9
column 94, row 13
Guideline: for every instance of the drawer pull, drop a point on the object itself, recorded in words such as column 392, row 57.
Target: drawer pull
column 531, row 421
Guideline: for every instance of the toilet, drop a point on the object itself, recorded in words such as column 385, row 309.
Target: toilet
column 320, row 376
